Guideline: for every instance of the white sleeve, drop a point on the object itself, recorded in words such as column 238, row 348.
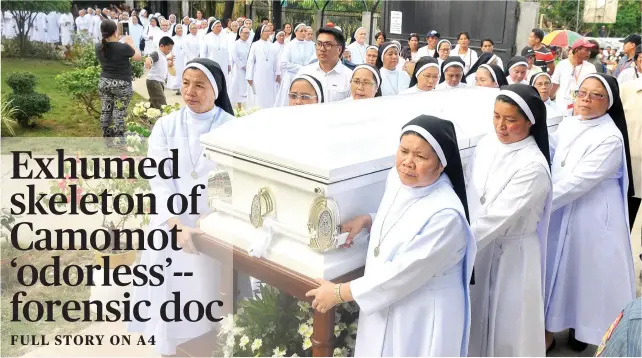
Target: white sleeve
column 437, row 247
column 600, row 163
column 555, row 78
column 249, row 69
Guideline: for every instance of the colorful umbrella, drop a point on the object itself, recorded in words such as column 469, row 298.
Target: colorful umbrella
column 561, row 38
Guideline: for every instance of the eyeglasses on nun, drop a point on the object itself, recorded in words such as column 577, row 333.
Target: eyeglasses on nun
column 295, row 96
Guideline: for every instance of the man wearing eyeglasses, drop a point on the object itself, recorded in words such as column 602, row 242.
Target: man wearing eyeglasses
column 568, row 74
column 329, row 70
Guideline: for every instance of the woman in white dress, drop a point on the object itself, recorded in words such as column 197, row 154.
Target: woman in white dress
column 296, row 54
column 425, row 77
column 151, row 36
column 590, row 262
column 214, row 46
column 509, row 199
column 287, row 28
column 394, row 81
column 174, row 82
column 485, row 58
column 516, row 70
column 414, row 295
column 443, row 50
column 490, row 75
column 365, row 83
column 261, row 70
column 452, row 74
column 543, row 84
column 468, row 55
column 135, row 29
column 240, row 53
column 190, row 43
column 208, row 107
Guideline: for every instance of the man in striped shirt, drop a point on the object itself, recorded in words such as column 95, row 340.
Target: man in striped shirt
column 544, row 58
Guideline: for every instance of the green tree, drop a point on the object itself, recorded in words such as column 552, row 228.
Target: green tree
column 24, row 12
column 564, row 15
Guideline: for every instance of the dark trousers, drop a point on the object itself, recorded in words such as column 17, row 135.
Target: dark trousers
column 114, row 98
column 634, row 206
column 156, row 91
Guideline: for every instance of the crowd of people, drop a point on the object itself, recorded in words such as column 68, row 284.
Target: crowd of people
column 545, row 219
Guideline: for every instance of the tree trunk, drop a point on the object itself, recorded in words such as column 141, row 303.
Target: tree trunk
column 229, row 9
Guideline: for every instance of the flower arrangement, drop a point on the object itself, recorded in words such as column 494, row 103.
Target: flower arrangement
column 276, row 324
column 142, row 117
column 244, row 111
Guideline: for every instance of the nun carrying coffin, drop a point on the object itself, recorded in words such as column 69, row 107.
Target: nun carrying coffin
column 543, row 84
column 590, row 262
column 509, row 200
column 208, row 107
column 414, row 295
column 516, row 70
column 489, row 75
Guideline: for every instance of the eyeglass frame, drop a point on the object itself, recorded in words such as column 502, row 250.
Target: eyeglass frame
column 295, row 96
column 323, row 44
column 366, row 83
column 591, row 95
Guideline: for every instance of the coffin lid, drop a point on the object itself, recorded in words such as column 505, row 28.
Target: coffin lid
column 338, row 141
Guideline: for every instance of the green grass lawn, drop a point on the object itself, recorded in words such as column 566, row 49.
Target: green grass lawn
column 66, row 118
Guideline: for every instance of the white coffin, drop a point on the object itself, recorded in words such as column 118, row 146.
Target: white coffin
column 341, row 151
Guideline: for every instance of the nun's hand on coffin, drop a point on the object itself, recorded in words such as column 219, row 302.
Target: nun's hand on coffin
column 229, row 68
column 184, row 238
column 250, row 82
column 354, row 226
column 278, row 78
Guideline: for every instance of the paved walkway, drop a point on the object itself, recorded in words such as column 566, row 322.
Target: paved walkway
column 140, row 87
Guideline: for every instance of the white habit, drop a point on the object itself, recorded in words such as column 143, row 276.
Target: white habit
column 295, row 55
column 174, row 82
column 510, row 227
column 214, row 47
column 393, row 82
column 358, row 52
column 238, row 86
column 261, row 69
column 179, row 130
column 190, row 47
column 414, row 296
column 53, row 31
column 589, row 260
column 66, row 23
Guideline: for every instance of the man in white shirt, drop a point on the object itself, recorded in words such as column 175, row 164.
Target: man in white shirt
column 431, row 49
column 81, row 22
column 488, row 46
column 334, row 76
column 568, row 74
column 635, row 69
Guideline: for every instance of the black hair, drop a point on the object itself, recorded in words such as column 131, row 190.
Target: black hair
column 380, row 33
column 265, row 19
column 107, row 29
column 542, row 139
column 539, row 33
column 291, row 28
column 165, row 41
column 226, row 21
column 338, row 36
column 155, row 19
column 463, row 33
column 487, row 40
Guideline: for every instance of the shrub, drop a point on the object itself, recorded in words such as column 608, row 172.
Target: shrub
column 27, row 103
column 82, row 83
column 8, row 115
column 30, row 105
column 22, row 82
column 11, row 49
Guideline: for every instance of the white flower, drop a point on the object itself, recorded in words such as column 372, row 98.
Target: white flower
column 131, row 149
column 307, row 343
column 227, row 325
column 244, row 341
column 340, row 352
column 304, row 305
column 353, row 327
column 230, row 341
column 294, row 355
column 147, row 105
column 337, row 330
column 278, row 352
column 236, row 331
column 305, row 330
column 256, row 344
column 152, row 113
